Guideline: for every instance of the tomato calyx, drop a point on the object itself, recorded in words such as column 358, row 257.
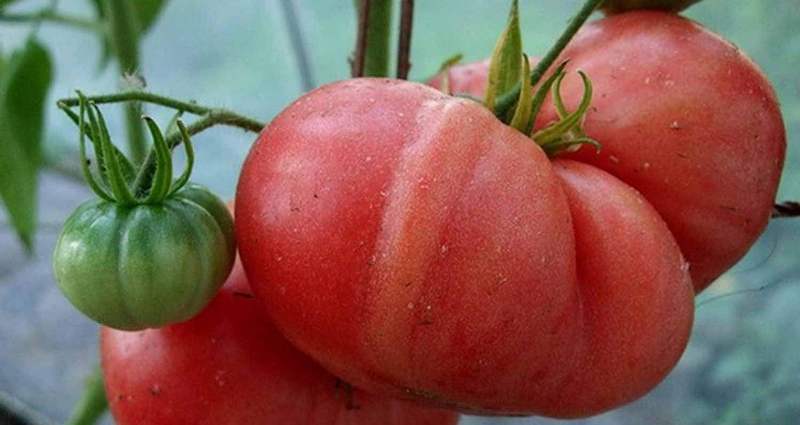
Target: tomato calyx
column 510, row 72
column 116, row 171
column 566, row 134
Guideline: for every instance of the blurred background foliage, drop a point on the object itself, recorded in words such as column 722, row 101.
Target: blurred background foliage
column 741, row 367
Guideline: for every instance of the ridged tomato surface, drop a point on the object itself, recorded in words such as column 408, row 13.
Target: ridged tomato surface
column 229, row 365
column 418, row 247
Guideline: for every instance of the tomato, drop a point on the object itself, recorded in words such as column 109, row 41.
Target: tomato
column 133, row 261
column 705, row 147
column 229, row 365
column 418, row 247
column 619, row 6
column 147, row 265
column 690, row 122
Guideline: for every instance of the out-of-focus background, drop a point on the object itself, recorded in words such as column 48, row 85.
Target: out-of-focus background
column 743, row 363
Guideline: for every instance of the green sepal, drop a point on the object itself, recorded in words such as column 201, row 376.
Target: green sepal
column 96, row 187
column 116, row 172
column 566, row 133
column 187, row 143
column 541, row 94
column 523, row 118
column 505, row 66
column 116, row 180
column 128, row 170
column 556, row 130
column 163, row 175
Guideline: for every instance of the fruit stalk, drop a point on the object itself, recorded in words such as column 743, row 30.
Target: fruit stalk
column 787, row 209
column 371, row 56
column 125, row 40
column 404, row 45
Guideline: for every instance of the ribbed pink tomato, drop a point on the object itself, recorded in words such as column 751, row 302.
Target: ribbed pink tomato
column 689, row 121
column 229, row 365
column 418, row 247
column 685, row 118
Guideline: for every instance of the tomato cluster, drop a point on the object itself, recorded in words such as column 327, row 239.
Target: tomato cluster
column 417, row 246
column 423, row 246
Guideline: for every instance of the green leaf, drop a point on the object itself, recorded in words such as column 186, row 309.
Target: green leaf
column 24, row 82
column 505, row 67
column 4, row 3
column 128, row 169
column 523, row 115
column 146, row 11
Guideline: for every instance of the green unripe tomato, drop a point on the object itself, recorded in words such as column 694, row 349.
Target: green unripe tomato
column 619, row 6
column 146, row 265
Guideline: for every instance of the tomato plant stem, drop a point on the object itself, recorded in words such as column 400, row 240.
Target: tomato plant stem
column 214, row 117
column 54, row 17
column 298, row 44
column 209, row 118
column 404, row 43
column 141, row 96
column 786, row 210
column 125, row 41
column 92, row 403
column 371, row 56
column 357, row 61
column 506, row 101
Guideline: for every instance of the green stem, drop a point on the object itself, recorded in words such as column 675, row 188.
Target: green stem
column 124, row 32
column 212, row 116
column 506, row 101
column 93, row 402
column 141, row 96
column 209, row 118
column 215, row 117
column 54, row 17
column 376, row 53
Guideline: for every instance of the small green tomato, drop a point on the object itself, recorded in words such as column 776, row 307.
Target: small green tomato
column 133, row 261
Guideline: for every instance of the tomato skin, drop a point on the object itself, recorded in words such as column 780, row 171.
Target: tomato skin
column 229, row 365
column 690, row 122
column 468, row 78
column 620, row 6
column 415, row 245
column 146, row 265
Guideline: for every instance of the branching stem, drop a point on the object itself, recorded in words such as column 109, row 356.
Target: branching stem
column 209, row 118
column 404, row 43
column 124, row 33
column 786, row 210
column 371, row 55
